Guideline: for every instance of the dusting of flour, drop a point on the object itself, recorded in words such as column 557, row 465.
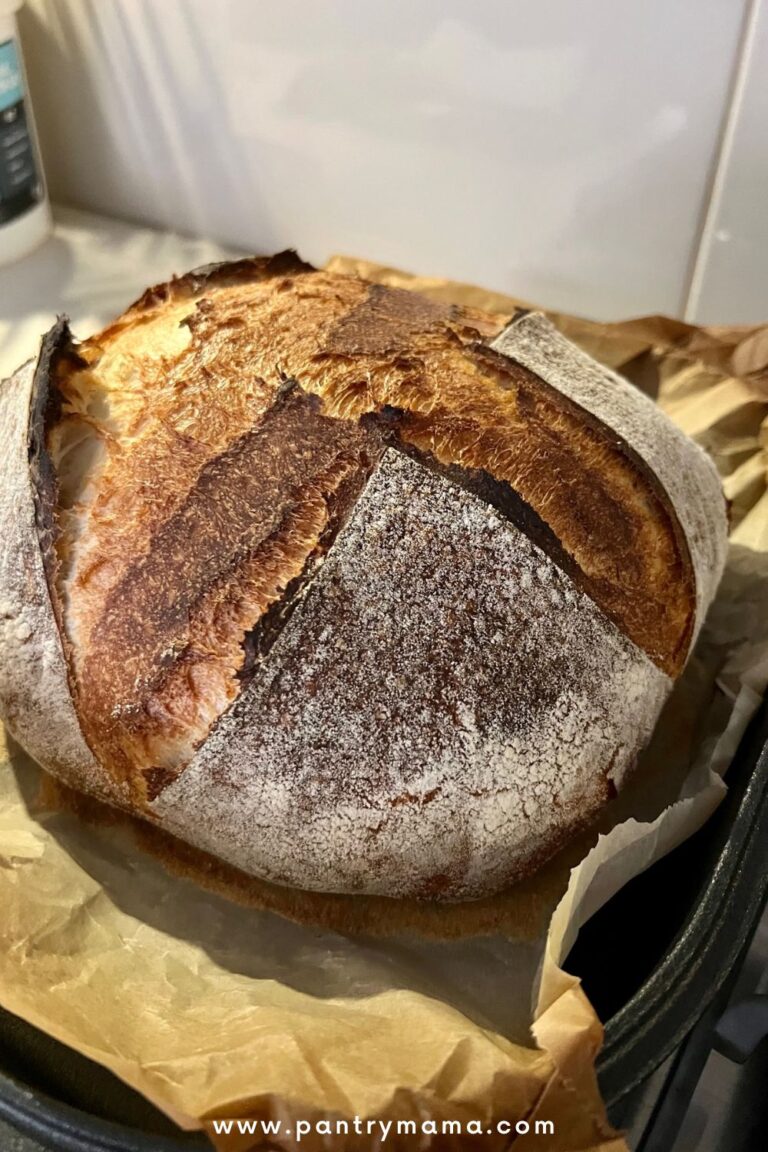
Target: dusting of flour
column 486, row 699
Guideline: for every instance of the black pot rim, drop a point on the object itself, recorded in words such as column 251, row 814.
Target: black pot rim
column 66, row 1129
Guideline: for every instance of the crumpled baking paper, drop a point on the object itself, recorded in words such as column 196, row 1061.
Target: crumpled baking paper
column 218, row 998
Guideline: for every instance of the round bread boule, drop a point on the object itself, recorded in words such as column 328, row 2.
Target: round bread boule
column 353, row 590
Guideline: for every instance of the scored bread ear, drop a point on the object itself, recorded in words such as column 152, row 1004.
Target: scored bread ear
column 684, row 470
column 35, row 695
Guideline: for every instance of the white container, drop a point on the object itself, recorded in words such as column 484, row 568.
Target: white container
column 25, row 215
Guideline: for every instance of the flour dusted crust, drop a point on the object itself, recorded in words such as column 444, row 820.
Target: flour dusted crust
column 329, row 585
column 427, row 770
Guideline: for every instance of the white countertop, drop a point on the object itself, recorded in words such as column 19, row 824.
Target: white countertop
column 91, row 268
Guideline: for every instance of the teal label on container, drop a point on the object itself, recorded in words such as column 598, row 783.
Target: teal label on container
column 11, row 90
column 20, row 184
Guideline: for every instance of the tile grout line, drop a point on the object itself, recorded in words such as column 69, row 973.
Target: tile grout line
column 723, row 150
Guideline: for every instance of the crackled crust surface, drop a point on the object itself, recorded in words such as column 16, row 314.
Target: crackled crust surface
column 196, row 479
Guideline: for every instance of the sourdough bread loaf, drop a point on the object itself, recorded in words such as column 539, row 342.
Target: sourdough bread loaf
column 356, row 591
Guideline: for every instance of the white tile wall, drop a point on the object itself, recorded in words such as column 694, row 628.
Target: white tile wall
column 559, row 151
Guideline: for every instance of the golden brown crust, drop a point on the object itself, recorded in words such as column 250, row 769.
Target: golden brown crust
column 35, row 691
column 606, row 507
column 176, row 387
column 177, row 615
column 219, row 275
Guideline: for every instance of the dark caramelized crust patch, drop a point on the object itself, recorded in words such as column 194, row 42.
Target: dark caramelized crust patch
column 224, row 274
column 57, row 353
column 384, row 322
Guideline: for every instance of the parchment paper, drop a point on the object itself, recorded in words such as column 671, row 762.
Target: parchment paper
column 290, row 1008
